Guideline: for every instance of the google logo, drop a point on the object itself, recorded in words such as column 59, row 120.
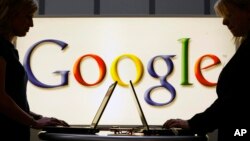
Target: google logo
column 139, row 70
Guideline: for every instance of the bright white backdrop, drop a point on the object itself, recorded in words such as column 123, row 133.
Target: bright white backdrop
column 110, row 37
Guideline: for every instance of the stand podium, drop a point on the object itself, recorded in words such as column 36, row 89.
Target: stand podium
column 113, row 137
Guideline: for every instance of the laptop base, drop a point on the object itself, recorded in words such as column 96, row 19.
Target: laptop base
column 169, row 132
column 70, row 130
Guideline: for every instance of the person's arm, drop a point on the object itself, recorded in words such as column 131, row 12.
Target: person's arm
column 35, row 115
column 208, row 120
column 200, row 123
column 7, row 106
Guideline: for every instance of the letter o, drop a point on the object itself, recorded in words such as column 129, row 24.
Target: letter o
column 101, row 65
column 138, row 65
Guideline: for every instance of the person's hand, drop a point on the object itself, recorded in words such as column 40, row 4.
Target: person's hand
column 49, row 121
column 176, row 123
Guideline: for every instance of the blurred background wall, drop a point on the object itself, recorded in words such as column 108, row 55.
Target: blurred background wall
column 133, row 8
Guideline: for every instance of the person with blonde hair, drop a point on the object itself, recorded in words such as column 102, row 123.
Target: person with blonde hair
column 229, row 112
column 16, row 119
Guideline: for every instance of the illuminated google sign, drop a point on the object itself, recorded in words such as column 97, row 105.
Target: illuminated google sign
column 174, row 63
column 139, row 68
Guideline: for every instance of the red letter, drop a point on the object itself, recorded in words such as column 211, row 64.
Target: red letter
column 198, row 68
column 102, row 69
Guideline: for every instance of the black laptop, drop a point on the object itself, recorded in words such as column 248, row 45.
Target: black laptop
column 155, row 130
column 89, row 129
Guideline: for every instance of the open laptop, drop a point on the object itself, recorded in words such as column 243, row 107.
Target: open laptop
column 89, row 129
column 154, row 130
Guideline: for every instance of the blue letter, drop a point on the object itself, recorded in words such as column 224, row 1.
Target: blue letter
column 32, row 78
column 163, row 80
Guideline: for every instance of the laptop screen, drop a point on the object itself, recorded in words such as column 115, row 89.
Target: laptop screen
column 139, row 109
column 103, row 105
